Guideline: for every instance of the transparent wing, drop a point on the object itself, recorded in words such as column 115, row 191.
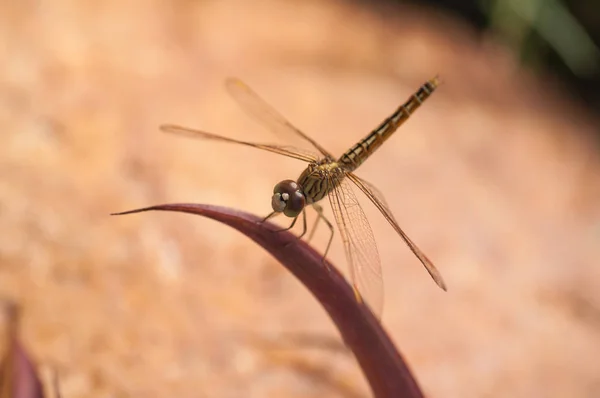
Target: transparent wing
column 262, row 112
column 288, row 151
column 359, row 244
column 379, row 201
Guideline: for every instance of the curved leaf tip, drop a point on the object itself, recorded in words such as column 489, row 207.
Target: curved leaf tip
column 382, row 364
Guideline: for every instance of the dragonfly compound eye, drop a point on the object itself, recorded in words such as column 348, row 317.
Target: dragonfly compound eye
column 288, row 198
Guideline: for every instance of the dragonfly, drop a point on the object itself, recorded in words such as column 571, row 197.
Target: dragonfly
column 334, row 178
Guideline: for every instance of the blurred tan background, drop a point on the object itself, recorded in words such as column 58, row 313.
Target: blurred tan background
column 497, row 178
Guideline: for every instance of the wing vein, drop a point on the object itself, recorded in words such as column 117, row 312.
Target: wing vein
column 359, row 243
column 379, row 201
column 288, row 151
column 262, row 112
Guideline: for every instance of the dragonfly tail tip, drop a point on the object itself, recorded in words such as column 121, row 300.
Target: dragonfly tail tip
column 442, row 286
column 436, row 80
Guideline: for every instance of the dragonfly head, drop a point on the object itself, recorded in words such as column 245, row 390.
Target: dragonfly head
column 288, row 198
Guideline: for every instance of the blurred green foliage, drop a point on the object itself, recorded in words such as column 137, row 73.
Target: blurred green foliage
column 560, row 37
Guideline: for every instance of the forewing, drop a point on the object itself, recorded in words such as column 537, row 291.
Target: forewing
column 264, row 113
column 359, row 244
column 379, row 201
column 288, row 151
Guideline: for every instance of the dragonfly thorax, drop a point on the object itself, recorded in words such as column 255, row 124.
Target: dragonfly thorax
column 319, row 178
column 288, row 198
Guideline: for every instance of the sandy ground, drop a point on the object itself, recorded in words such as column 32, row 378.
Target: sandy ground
column 496, row 178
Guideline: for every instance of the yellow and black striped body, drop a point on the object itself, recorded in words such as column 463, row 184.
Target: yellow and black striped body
column 356, row 155
column 320, row 178
column 323, row 176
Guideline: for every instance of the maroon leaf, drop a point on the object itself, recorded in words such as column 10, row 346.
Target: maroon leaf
column 18, row 377
column 386, row 371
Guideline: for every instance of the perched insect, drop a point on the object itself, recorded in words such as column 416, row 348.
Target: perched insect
column 329, row 177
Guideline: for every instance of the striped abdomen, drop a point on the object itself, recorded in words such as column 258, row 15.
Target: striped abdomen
column 356, row 155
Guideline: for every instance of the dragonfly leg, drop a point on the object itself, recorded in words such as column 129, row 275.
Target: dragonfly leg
column 270, row 215
column 319, row 211
column 303, row 227
column 321, row 216
column 288, row 228
column 330, row 225
column 303, row 224
column 274, row 213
